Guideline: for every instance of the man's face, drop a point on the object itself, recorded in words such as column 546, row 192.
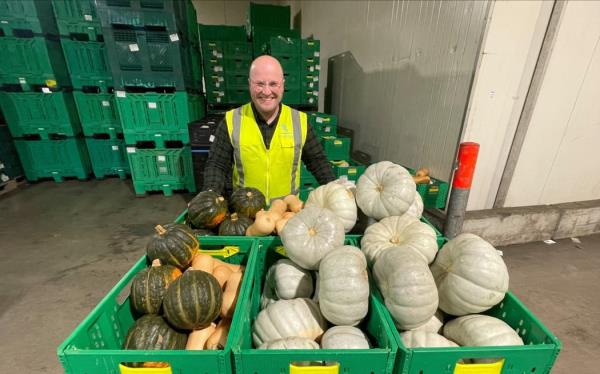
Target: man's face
column 266, row 86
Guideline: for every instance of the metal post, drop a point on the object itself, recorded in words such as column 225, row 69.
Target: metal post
column 461, row 186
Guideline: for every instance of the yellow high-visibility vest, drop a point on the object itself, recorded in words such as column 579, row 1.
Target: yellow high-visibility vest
column 274, row 171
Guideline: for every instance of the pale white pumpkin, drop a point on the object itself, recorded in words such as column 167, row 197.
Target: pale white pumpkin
column 470, row 274
column 416, row 208
column 434, row 324
column 344, row 286
column 424, row 339
column 476, row 330
column 407, row 287
column 293, row 342
column 268, row 296
column 344, row 337
column 311, row 234
column 286, row 318
column 385, row 189
column 405, row 231
column 337, row 198
column 315, row 296
column 289, row 281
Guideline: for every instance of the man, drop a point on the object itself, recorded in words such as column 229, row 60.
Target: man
column 261, row 144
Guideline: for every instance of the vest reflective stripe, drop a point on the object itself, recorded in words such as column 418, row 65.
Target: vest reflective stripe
column 235, row 141
column 274, row 171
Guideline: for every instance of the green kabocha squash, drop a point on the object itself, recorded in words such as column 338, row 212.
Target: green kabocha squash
column 207, row 210
column 149, row 286
column 203, row 232
column 193, row 301
column 247, row 201
column 234, row 225
column 151, row 332
column 173, row 244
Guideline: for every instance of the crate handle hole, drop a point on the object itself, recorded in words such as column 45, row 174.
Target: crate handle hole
column 533, row 370
column 124, row 294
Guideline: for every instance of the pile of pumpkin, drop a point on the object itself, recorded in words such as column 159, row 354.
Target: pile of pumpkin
column 466, row 277
column 209, row 213
column 186, row 298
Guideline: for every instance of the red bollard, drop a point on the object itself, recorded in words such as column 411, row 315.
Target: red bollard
column 461, row 186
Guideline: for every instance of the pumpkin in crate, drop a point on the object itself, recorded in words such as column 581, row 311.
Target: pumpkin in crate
column 385, row 189
column 345, row 337
column 310, row 234
column 287, row 318
column 424, row 339
column 470, row 274
column 476, row 330
column 234, row 225
column 344, row 286
column 405, row 231
column 207, row 210
column 407, row 287
column 193, row 300
column 292, row 342
column 149, row 286
column 289, row 281
column 337, row 198
column 247, row 201
column 203, row 232
column 151, row 332
column 173, row 244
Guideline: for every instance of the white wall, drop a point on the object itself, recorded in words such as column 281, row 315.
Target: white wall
column 507, row 60
column 402, row 73
column 559, row 160
column 225, row 12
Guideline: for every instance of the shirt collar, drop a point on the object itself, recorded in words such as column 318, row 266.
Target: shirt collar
column 258, row 118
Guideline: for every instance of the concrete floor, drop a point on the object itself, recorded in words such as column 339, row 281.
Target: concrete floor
column 63, row 247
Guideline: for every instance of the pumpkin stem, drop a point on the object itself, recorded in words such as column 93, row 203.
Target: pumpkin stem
column 220, row 199
column 312, row 231
column 234, row 217
column 379, row 188
column 160, row 230
column 249, row 194
column 155, row 263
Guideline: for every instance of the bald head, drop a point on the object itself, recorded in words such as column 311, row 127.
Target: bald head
column 266, row 85
column 266, row 65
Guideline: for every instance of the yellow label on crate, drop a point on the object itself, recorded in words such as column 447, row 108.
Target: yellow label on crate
column 333, row 368
column 433, row 189
column 337, row 142
column 281, row 250
column 50, row 83
column 493, row 368
column 352, row 170
column 224, row 252
column 127, row 370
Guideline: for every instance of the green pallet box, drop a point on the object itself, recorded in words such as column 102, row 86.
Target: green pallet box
column 98, row 113
column 54, row 158
column 29, row 16
column 10, row 165
column 161, row 169
column 77, row 18
column 33, row 61
column 29, row 113
column 108, row 157
column 156, row 116
column 270, row 16
column 87, row 63
column 336, row 148
column 139, row 13
column 95, row 346
column 209, row 33
column 377, row 324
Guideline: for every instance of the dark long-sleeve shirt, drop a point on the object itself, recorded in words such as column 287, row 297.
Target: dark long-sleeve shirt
column 217, row 175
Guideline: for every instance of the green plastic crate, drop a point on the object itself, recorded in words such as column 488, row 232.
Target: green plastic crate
column 353, row 171
column 98, row 113
column 33, row 61
column 304, row 192
column 32, row 15
column 108, row 157
column 11, row 165
column 322, row 119
column 221, row 33
column 336, row 148
column 77, row 18
column 292, row 96
column 306, row 178
column 285, row 46
column 161, row 169
column 158, row 117
column 238, row 50
column 379, row 359
column 94, row 347
column 261, row 37
column 40, row 113
column 55, row 158
column 311, row 47
column 271, row 16
column 87, row 62
column 228, row 96
column 434, row 194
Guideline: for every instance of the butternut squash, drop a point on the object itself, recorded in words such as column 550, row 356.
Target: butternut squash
column 230, row 295
column 281, row 223
column 218, row 339
column 294, row 204
column 197, row 338
column 222, row 273
column 204, row 262
column 232, row 267
column 422, row 172
column 263, row 225
column 421, row 179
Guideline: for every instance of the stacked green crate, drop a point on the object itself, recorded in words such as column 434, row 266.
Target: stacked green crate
column 226, row 57
column 154, row 58
column 36, row 95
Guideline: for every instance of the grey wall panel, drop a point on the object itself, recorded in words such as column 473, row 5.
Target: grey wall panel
column 399, row 73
